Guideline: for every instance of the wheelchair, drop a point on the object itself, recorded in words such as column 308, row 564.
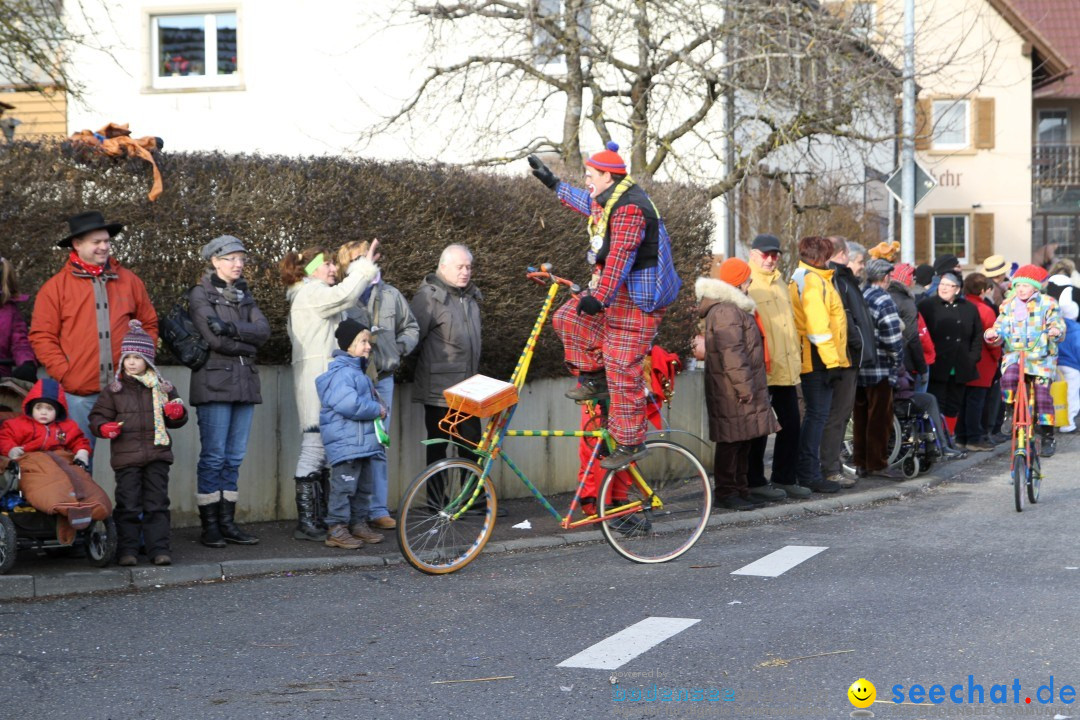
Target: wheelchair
column 913, row 444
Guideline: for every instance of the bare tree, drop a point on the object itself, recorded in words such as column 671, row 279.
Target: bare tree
column 36, row 40
column 812, row 89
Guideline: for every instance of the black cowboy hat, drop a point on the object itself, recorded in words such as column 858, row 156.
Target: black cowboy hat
column 88, row 222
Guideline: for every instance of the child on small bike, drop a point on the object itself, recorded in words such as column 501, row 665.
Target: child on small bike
column 1029, row 321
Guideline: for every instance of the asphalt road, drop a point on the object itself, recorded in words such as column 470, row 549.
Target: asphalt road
column 930, row 590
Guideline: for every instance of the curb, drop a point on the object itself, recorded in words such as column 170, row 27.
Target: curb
column 24, row 587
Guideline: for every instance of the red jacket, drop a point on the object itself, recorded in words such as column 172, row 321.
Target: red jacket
column 64, row 330
column 25, row 432
column 991, row 355
column 929, row 354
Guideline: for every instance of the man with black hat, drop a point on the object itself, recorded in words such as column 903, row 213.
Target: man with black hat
column 770, row 293
column 82, row 313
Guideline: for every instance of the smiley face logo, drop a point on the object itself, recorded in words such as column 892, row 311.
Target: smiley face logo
column 862, row 693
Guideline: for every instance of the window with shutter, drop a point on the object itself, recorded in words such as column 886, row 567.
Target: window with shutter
column 922, row 239
column 951, row 234
column 984, row 236
column 952, row 123
column 923, row 125
column 984, row 124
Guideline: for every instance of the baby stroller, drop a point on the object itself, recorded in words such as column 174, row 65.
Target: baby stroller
column 24, row 527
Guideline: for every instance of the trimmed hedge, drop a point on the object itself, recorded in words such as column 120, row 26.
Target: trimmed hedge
column 277, row 203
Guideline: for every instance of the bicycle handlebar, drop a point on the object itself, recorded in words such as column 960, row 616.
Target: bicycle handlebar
column 544, row 276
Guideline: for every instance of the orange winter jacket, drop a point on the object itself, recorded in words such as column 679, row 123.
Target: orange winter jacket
column 78, row 343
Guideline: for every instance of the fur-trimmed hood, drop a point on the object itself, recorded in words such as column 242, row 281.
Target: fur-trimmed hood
column 710, row 291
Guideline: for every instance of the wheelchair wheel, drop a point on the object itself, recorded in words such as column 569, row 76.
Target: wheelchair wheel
column 101, row 542
column 910, row 466
column 8, row 544
column 847, row 446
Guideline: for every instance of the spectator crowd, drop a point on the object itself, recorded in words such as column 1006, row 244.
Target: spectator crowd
column 853, row 333
column 819, row 359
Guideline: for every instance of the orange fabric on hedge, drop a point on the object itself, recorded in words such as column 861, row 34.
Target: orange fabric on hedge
column 118, row 143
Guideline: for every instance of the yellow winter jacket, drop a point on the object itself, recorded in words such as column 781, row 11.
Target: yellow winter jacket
column 819, row 316
column 778, row 320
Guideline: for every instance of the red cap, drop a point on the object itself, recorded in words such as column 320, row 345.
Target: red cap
column 608, row 160
column 904, row 273
column 1031, row 274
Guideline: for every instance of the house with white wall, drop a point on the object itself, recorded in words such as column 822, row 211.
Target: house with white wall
column 974, row 120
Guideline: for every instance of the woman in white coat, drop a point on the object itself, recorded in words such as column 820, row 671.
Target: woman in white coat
column 317, row 304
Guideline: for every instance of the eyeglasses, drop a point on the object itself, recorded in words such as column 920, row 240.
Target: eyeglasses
column 233, row 259
column 770, row 254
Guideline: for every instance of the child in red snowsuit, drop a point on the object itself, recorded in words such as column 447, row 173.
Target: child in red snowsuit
column 44, row 426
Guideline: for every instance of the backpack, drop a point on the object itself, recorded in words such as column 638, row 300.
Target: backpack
column 181, row 337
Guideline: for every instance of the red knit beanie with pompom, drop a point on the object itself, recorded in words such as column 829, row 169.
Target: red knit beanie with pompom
column 608, row 160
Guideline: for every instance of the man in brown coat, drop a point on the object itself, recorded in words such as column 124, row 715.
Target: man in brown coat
column 736, row 388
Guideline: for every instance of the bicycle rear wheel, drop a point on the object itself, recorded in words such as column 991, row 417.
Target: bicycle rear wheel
column 430, row 537
column 1019, row 478
column 1034, row 479
column 660, row 504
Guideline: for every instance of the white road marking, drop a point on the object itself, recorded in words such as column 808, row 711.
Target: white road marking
column 779, row 562
column 622, row 647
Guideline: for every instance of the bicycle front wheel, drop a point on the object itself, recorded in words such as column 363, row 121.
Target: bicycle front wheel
column 434, row 535
column 656, row 509
column 1019, row 478
column 1034, row 480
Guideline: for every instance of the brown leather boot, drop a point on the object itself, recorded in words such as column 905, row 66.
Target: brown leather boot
column 338, row 536
column 361, row 531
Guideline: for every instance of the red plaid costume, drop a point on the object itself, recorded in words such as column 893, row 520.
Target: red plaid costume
column 592, row 418
column 621, row 336
column 582, row 337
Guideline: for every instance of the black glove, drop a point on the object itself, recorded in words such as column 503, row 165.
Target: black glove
column 589, row 305
column 833, row 376
column 27, row 371
column 220, row 327
column 543, row 172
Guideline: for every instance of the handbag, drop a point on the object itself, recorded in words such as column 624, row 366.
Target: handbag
column 1059, row 392
column 182, row 338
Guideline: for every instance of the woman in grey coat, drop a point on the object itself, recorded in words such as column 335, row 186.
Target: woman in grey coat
column 226, row 389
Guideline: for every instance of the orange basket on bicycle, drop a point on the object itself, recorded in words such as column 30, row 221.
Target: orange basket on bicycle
column 479, row 396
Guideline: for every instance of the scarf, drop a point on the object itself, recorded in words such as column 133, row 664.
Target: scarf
column 151, row 380
column 598, row 225
column 94, row 270
column 232, row 292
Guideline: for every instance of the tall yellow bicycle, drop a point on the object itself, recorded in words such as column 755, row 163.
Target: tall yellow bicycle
column 650, row 511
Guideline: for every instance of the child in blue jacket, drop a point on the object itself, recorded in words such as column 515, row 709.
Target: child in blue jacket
column 349, row 408
column 1069, row 356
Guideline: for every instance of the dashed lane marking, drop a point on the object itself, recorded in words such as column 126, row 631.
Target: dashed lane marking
column 779, row 562
column 613, row 652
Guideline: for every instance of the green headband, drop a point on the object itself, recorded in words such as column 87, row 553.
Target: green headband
column 1029, row 281
column 315, row 264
